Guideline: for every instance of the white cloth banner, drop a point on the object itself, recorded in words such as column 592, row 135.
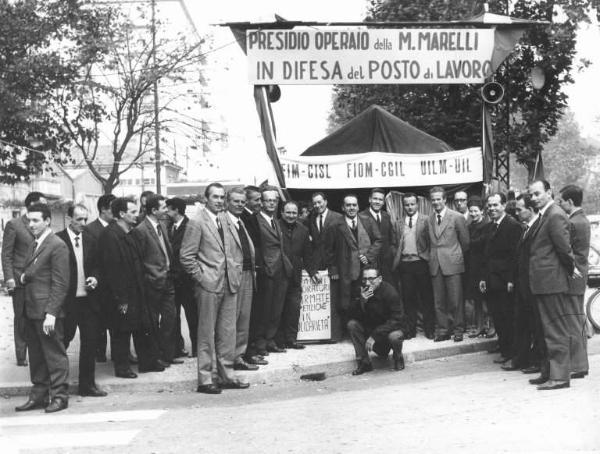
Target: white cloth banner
column 315, row 309
column 369, row 170
column 358, row 55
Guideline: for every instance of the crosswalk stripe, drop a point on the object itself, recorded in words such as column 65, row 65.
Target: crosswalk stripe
column 107, row 416
column 67, row 439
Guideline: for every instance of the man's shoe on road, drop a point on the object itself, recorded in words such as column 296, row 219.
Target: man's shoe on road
column 183, row 353
column 243, row 365
column 362, row 368
column 209, row 389
column 57, row 404
column 531, row 370
column 162, row 363
column 429, row 335
column 31, row 405
column 553, row 384
column 235, row 384
column 257, row 360
column 22, row 363
column 509, row 367
column 125, row 374
column 458, row 338
column 175, row 361
column 441, row 338
column 295, row 346
column 398, row 362
column 501, row 360
column 538, row 381
column 579, row 374
column 92, row 392
column 156, row 367
column 275, row 349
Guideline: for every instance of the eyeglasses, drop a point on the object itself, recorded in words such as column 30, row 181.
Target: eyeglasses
column 370, row 279
column 460, row 200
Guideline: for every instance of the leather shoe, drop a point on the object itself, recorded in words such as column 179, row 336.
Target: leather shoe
column 31, row 405
column 57, row 404
column 398, row 362
column 162, row 363
column 579, row 374
column 22, row 363
column 243, row 365
column 538, row 381
column 509, row 367
column 429, row 336
column 458, row 338
column 295, row 346
column 275, row 349
column 181, row 353
column 531, row 370
column 257, row 360
column 125, row 374
column 175, row 361
column 262, row 353
column 156, row 367
column 494, row 350
column 209, row 389
column 362, row 368
column 441, row 338
column 235, row 384
column 92, row 392
column 501, row 360
column 553, row 384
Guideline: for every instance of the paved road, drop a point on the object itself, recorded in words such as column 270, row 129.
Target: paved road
column 461, row 404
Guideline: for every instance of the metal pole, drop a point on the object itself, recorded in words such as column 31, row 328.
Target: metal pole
column 155, row 84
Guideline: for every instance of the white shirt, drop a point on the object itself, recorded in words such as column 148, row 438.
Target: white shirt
column 414, row 219
column 161, row 239
column 213, row 216
column 267, row 217
column 500, row 220
column 349, row 221
column 375, row 214
column 103, row 222
column 234, row 219
column 78, row 250
column 42, row 237
column 322, row 216
column 543, row 210
column 532, row 221
column 441, row 213
column 178, row 223
column 576, row 210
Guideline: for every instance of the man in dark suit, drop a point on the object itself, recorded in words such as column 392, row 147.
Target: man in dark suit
column 157, row 257
column 15, row 245
column 355, row 243
column 411, row 261
column 207, row 256
column 94, row 229
column 122, row 274
column 461, row 205
column 296, row 246
column 45, row 276
column 377, row 322
column 184, row 287
column 497, row 276
column 82, row 306
column 570, row 199
column 449, row 241
column 551, row 262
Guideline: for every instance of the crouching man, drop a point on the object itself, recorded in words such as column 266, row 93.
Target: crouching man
column 377, row 322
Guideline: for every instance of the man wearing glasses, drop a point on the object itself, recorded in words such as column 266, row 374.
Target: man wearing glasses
column 460, row 204
column 377, row 322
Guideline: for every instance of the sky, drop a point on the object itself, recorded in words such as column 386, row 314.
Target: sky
column 301, row 113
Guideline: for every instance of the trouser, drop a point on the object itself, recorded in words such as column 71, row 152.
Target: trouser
column 383, row 344
column 216, row 334
column 417, row 294
column 18, row 300
column 162, row 304
column 288, row 329
column 102, row 342
column 184, row 298
column 87, row 319
column 243, row 308
column 554, row 310
column 501, row 305
column 578, row 337
column 348, row 291
column 271, row 293
column 48, row 361
column 526, row 350
column 448, row 301
column 145, row 346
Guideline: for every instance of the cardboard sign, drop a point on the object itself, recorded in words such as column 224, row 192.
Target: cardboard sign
column 315, row 309
column 312, row 56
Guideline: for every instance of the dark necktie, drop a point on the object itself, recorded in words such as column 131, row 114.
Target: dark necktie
column 353, row 224
column 320, row 222
column 35, row 246
column 76, row 240
column 220, row 229
column 410, row 222
column 378, row 219
column 273, row 224
column 439, row 218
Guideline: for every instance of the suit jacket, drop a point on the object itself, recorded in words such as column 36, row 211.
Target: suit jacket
column 345, row 249
column 46, row 277
column 235, row 255
column 15, row 247
column 389, row 240
column 500, row 256
column 176, row 237
column 551, row 259
column 156, row 267
column 203, row 255
column 251, row 224
column 90, row 266
column 422, row 235
column 522, row 270
column 297, row 247
column 321, row 241
column 580, row 243
column 449, row 243
column 273, row 259
column 94, row 229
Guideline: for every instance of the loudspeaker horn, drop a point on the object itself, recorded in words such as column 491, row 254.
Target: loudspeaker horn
column 274, row 92
column 492, row 92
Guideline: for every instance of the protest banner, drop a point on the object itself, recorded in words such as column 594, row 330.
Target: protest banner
column 315, row 310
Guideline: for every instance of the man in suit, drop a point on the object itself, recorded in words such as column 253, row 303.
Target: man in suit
column 497, row 276
column 388, row 233
column 355, row 243
column 461, row 205
column 570, row 199
column 551, row 262
column 15, row 245
column 94, row 229
column 449, row 241
column 296, row 246
column 122, row 275
column 274, row 271
column 243, row 255
column 206, row 255
column 251, row 209
column 157, row 257
column 45, row 277
column 184, row 287
column 377, row 322
column 82, row 306
column 411, row 261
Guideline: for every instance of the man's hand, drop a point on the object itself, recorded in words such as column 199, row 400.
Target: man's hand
column 510, row 287
column 482, row 286
column 10, row 284
column 334, row 277
column 316, row 279
column 363, row 259
column 91, row 282
column 123, row 309
column 369, row 344
column 48, row 325
column 366, row 293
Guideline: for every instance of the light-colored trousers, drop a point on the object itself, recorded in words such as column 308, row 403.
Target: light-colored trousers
column 243, row 307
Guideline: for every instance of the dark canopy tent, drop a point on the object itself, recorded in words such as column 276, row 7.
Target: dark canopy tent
column 375, row 129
